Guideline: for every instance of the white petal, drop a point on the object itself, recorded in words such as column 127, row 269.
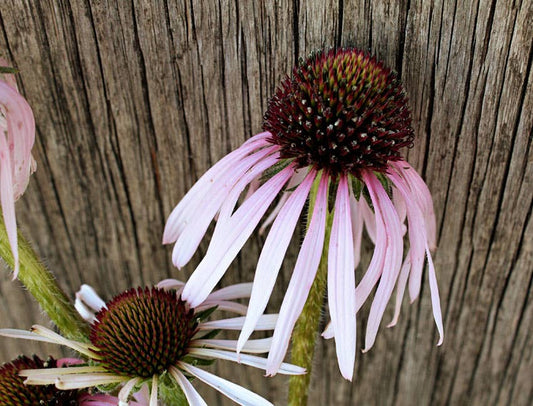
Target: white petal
column 223, row 305
column 68, row 382
column 266, row 322
column 253, row 346
column 89, row 296
column 170, row 284
column 153, row 395
column 235, row 392
column 124, row 393
column 192, row 396
column 301, row 280
column 251, row 360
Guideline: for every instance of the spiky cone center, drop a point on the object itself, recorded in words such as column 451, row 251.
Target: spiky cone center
column 13, row 391
column 341, row 110
column 142, row 332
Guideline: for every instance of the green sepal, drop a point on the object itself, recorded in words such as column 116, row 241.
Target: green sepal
column 204, row 314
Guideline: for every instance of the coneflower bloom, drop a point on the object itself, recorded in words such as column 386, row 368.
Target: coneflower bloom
column 142, row 335
column 13, row 391
column 17, row 127
column 338, row 123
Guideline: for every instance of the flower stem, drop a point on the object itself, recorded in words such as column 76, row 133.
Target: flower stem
column 306, row 330
column 41, row 283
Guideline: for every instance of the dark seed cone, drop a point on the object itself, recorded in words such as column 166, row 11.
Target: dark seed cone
column 341, row 110
column 142, row 332
column 13, row 391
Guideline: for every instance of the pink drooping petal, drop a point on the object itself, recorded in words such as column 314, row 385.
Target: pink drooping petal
column 234, row 392
column 298, row 177
column 170, row 284
column 341, row 281
column 356, row 217
column 400, row 289
column 435, row 299
column 232, row 292
column 193, row 231
column 421, row 192
column 417, row 235
column 228, row 207
column 68, row 361
column 301, row 280
column 272, row 255
column 393, row 256
column 238, row 228
column 8, row 201
column 369, row 219
column 210, row 180
column 375, row 268
column 193, row 397
column 20, row 136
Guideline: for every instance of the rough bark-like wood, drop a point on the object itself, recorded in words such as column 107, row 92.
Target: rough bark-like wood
column 135, row 100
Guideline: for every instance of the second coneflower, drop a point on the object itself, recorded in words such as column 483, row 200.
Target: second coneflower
column 333, row 130
column 145, row 335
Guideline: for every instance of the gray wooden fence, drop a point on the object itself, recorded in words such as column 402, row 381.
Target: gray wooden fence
column 134, row 100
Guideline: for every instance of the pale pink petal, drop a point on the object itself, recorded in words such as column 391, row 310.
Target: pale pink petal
column 356, row 216
column 84, row 311
column 417, row 235
column 400, row 289
column 369, row 218
column 393, row 256
column 234, row 392
column 266, row 322
column 301, row 280
column 272, row 255
column 170, row 284
column 298, row 177
column 375, row 268
column 68, row 361
column 195, row 226
column 238, row 228
column 341, row 281
column 435, row 299
column 201, row 189
column 251, row 360
column 421, row 193
column 328, row 332
column 193, row 397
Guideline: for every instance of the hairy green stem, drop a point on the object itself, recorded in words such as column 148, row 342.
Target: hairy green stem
column 42, row 285
column 306, row 330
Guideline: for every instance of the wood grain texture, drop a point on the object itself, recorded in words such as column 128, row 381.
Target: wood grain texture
column 134, row 100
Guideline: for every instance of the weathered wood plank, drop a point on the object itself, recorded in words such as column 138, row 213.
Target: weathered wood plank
column 135, row 100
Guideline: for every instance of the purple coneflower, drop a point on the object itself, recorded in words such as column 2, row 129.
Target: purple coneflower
column 17, row 128
column 338, row 125
column 13, row 391
column 144, row 334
